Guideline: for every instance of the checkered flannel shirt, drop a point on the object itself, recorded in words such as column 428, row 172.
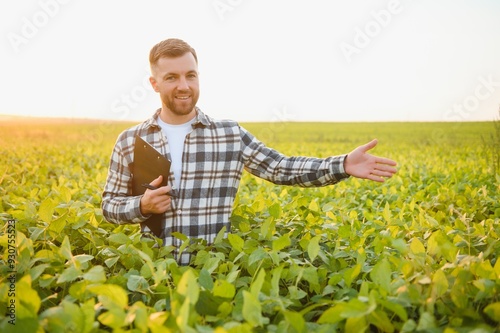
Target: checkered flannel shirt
column 215, row 154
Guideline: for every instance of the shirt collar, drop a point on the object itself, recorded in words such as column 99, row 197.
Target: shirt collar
column 202, row 120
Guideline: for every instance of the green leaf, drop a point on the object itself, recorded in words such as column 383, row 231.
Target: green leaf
column 236, row 242
column 356, row 325
column 182, row 318
column 65, row 249
column 426, row 322
column 333, row 315
column 140, row 312
column 57, row 225
column 252, row 311
column 111, row 261
column 114, row 318
column 416, row 247
column 36, row 271
column 64, row 194
column 351, row 273
column 267, row 228
column 67, row 317
column 29, row 301
column 310, row 274
column 296, row 320
column 205, row 279
column 387, row 212
column 296, row 293
column 493, row 311
column 89, row 315
column 257, row 283
column 256, row 256
column 208, row 304
column 439, row 244
column 188, row 286
column 381, row 274
column 79, row 290
column 180, row 236
column 439, row 283
column 398, row 309
column 275, row 210
column 119, row 238
column 313, row 206
column 381, row 320
column 356, row 308
column 220, row 235
column 110, row 295
column 485, row 270
column 137, row 283
column 70, row 274
column 313, row 247
column 224, row 289
column 275, row 280
column 281, row 243
column 83, row 258
column 46, row 210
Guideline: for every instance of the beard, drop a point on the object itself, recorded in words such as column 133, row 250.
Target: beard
column 181, row 107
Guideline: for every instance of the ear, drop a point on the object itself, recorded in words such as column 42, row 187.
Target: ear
column 154, row 84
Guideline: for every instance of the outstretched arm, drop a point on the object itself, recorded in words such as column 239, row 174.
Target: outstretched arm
column 360, row 164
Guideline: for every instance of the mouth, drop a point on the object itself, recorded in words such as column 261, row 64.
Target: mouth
column 183, row 98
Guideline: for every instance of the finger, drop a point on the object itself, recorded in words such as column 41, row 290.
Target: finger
column 383, row 160
column 375, row 178
column 157, row 181
column 380, row 173
column 162, row 207
column 385, row 167
column 369, row 145
column 165, row 189
column 162, row 200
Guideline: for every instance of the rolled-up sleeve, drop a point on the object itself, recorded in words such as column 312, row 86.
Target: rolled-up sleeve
column 118, row 204
column 277, row 168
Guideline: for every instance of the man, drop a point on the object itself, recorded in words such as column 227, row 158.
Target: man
column 207, row 158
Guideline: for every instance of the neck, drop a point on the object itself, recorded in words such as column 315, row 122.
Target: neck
column 171, row 118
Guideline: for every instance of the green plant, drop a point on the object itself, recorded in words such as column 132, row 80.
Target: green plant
column 418, row 253
column 492, row 146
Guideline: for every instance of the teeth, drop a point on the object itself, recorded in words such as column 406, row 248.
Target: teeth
column 183, row 97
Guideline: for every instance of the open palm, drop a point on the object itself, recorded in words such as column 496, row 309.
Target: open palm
column 360, row 164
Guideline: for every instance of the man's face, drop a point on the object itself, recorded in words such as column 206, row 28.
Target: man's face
column 176, row 80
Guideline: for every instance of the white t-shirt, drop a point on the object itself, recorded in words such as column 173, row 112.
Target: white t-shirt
column 176, row 134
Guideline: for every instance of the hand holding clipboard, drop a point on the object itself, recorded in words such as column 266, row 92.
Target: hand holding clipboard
column 151, row 187
column 148, row 165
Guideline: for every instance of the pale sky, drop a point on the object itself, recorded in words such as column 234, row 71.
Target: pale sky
column 259, row 60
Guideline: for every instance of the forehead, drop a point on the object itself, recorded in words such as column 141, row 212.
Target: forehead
column 182, row 64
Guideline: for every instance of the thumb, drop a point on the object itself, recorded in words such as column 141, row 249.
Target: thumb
column 369, row 145
column 157, row 181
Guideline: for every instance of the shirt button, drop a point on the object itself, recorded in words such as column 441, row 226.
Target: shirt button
column 179, row 211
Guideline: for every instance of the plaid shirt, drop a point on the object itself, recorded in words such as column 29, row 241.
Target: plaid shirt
column 215, row 154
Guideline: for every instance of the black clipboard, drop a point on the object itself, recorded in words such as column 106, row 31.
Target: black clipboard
column 147, row 166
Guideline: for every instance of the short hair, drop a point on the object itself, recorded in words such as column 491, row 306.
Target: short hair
column 170, row 48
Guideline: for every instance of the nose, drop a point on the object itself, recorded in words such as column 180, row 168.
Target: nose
column 183, row 84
